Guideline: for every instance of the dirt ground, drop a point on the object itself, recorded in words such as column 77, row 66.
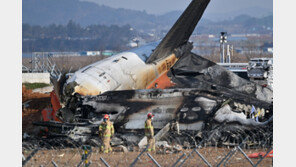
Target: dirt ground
column 32, row 113
column 71, row 157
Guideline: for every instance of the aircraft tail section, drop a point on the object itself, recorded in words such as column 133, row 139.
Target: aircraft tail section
column 181, row 31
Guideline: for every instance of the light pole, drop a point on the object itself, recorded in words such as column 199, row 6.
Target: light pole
column 223, row 40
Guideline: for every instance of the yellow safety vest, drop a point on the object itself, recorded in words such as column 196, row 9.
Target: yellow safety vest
column 106, row 129
column 149, row 130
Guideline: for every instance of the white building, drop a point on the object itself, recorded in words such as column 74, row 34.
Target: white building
column 91, row 53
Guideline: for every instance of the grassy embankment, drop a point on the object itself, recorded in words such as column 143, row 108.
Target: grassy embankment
column 35, row 85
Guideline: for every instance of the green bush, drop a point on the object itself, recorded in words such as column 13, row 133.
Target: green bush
column 35, row 85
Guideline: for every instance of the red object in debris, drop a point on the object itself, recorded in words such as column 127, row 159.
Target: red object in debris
column 55, row 101
column 49, row 114
column 261, row 154
column 270, row 154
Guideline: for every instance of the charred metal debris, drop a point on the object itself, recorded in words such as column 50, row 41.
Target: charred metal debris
column 205, row 96
column 205, row 101
column 191, row 113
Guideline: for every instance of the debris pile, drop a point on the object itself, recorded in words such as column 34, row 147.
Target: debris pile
column 206, row 101
column 33, row 104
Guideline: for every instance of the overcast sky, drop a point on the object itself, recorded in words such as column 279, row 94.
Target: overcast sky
column 164, row 6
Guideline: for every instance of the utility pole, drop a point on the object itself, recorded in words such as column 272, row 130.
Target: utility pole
column 228, row 59
column 223, row 40
column 231, row 50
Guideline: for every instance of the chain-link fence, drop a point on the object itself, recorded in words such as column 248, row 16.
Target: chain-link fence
column 66, row 152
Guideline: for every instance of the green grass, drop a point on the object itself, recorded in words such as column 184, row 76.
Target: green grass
column 35, row 85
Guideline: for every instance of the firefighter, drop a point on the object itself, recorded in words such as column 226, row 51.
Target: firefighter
column 106, row 131
column 149, row 132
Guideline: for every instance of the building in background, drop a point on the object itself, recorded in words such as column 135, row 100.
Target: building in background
column 90, row 53
column 108, row 53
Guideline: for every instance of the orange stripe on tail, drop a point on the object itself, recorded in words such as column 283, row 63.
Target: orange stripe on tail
column 161, row 82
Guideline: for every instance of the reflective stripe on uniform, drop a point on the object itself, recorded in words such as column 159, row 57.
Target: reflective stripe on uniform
column 105, row 127
column 148, row 127
column 258, row 114
column 149, row 149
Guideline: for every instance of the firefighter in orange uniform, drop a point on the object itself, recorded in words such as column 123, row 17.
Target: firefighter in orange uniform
column 149, row 132
column 106, row 131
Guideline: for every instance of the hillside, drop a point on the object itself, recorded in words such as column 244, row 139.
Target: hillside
column 241, row 24
column 46, row 12
column 73, row 37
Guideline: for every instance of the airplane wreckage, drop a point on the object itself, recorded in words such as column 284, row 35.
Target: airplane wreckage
column 185, row 91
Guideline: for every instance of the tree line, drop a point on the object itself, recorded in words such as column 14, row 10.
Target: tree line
column 73, row 37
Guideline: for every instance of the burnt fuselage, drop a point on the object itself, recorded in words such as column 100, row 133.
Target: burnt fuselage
column 128, row 109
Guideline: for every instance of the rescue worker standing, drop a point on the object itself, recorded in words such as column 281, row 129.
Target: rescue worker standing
column 106, row 131
column 149, row 132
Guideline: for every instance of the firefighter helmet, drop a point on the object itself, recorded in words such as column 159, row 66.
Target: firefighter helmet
column 150, row 115
column 106, row 116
